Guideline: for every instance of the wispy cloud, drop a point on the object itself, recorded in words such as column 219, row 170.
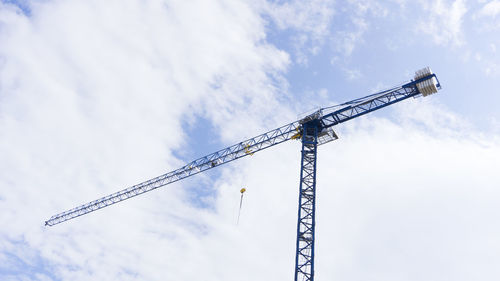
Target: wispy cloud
column 487, row 16
column 93, row 99
column 347, row 40
column 443, row 22
column 360, row 15
column 490, row 9
column 309, row 20
column 353, row 74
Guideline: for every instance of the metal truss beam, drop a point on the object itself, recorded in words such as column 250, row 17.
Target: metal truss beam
column 332, row 116
column 304, row 258
column 199, row 165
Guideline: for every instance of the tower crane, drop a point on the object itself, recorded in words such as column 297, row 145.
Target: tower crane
column 313, row 130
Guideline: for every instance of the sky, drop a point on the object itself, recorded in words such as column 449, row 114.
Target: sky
column 96, row 96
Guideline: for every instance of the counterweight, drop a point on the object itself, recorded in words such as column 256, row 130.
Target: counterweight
column 313, row 130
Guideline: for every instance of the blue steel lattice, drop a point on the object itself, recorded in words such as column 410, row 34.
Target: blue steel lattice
column 327, row 118
column 304, row 257
column 199, row 165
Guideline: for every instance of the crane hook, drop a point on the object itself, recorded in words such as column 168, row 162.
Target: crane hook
column 241, row 202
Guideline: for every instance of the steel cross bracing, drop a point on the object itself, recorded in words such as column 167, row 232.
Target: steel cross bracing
column 304, row 258
column 368, row 104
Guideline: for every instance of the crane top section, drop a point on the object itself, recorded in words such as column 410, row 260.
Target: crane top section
column 322, row 120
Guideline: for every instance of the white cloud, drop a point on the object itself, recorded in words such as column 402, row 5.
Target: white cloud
column 390, row 192
column 347, row 41
column 364, row 7
column 353, row 74
column 492, row 69
column 360, row 14
column 397, row 198
column 490, row 9
column 94, row 96
column 487, row 16
column 309, row 19
column 444, row 21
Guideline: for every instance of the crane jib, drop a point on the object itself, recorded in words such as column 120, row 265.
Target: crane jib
column 242, row 149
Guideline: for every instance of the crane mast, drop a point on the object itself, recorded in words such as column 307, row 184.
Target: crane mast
column 304, row 258
column 313, row 130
